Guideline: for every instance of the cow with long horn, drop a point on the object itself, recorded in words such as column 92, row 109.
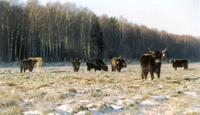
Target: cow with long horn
column 151, row 62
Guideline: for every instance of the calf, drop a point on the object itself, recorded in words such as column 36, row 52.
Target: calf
column 179, row 63
column 96, row 64
column 118, row 64
column 151, row 62
column 76, row 64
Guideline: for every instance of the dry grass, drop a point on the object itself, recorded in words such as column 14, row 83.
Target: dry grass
column 54, row 86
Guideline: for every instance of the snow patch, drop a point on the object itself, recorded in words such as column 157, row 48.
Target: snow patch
column 160, row 98
column 117, row 107
column 82, row 112
column 189, row 78
column 194, row 94
column 32, row 112
column 65, row 108
column 147, row 103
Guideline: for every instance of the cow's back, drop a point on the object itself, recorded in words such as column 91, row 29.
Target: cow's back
column 180, row 63
column 146, row 62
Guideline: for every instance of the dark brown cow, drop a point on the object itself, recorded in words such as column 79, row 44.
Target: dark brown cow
column 151, row 62
column 118, row 64
column 27, row 64
column 76, row 64
column 96, row 64
column 179, row 63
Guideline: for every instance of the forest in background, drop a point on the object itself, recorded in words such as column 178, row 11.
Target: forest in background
column 59, row 32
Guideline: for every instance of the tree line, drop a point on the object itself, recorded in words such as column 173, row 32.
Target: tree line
column 59, row 32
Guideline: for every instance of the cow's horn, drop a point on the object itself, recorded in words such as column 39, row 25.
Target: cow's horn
column 149, row 49
column 165, row 49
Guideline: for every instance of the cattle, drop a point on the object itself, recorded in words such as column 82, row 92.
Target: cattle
column 27, row 64
column 76, row 64
column 96, row 64
column 179, row 63
column 151, row 62
column 117, row 63
column 38, row 60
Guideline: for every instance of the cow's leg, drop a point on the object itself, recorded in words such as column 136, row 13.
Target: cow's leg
column 88, row 68
column 175, row 68
column 119, row 69
column 152, row 75
column 21, row 69
column 145, row 75
column 112, row 68
column 37, row 66
column 158, row 75
column 185, row 66
column 30, row 70
column 142, row 75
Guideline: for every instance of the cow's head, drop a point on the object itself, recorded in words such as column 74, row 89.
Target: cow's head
column 157, row 55
column 31, row 63
column 121, row 62
column 76, row 64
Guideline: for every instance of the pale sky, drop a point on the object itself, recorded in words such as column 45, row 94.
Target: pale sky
column 174, row 16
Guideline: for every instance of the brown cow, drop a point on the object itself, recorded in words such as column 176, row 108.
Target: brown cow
column 179, row 63
column 27, row 64
column 118, row 64
column 38, row 60
column 151, row 62
column 76, row 64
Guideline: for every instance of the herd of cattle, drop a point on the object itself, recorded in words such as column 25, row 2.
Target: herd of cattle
column 150, row 62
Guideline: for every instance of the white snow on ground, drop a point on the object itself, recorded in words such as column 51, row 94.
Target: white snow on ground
column 65, row 108
column 193, row 94
column 160, row 98
column 147, row 103
column 33, row 112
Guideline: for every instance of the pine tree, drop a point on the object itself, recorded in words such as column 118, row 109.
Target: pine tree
column 96, row 40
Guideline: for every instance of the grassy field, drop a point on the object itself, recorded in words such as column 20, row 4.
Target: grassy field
column 59, row 90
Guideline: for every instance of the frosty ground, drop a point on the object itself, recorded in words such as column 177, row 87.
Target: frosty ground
column 59, row 90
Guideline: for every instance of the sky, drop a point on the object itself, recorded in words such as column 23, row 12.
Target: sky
column 174, row 16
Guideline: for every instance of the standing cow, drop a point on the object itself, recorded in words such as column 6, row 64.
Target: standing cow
column 179, row 63
column 27, row 64
column 117, row 63
column 96, row 64
column 151, row 62
column 76, row 64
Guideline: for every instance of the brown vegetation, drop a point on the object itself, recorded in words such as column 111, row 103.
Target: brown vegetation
column 176, row 92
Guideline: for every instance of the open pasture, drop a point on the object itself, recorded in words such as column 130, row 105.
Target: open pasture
column 59, row 90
